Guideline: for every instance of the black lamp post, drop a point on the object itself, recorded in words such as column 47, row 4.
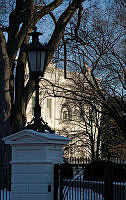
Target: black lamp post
column 36, row 54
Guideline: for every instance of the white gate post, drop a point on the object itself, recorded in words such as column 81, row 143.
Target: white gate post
column 33, row 157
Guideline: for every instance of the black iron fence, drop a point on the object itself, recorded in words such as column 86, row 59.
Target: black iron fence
column 5, row 177
column 5, row 172
column 81, row 179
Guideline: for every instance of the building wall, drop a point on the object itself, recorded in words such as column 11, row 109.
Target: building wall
column 61, row 114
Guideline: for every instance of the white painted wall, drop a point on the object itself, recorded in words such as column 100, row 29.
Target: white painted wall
column 33, row 157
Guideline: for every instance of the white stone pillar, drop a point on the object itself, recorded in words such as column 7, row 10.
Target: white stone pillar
column 33, row 157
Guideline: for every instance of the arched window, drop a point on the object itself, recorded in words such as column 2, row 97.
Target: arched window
column 65, row 112
column 92, row 115
column 77, row 115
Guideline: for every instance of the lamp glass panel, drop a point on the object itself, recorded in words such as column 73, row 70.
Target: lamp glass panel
column 43, row 54
column 32, row 60
column 38, row 59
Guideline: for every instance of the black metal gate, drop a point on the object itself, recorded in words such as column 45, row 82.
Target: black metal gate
column 101, row 180
column 5, row 172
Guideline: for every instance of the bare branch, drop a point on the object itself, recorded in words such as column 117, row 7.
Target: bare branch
column 61, row 25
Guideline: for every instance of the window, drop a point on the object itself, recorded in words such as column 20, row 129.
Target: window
column 33, row 105
column 65, row 112
column 92, row 115
column 49, row 107
column 77, row 114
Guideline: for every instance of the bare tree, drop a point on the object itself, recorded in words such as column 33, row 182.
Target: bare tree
column 95, row 59
column 99, row 45
column 85, row 131
column 17, row 19
column 111, row 133
column 76, row 118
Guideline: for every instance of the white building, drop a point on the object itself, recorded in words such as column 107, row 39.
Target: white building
column 62, row 113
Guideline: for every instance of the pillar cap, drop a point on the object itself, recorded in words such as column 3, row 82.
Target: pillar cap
column 33, row 137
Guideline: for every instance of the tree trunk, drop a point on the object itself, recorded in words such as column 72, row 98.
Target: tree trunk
column 5, row 97
column 98, row 144
column 92, row 149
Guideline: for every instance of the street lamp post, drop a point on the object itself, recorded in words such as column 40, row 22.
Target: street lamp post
column 36, row 54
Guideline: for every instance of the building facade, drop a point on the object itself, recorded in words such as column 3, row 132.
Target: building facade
column 62, row 110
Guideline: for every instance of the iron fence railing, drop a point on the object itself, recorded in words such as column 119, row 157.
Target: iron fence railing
column 81, row 179
column 5, row 183
column 5, row 172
